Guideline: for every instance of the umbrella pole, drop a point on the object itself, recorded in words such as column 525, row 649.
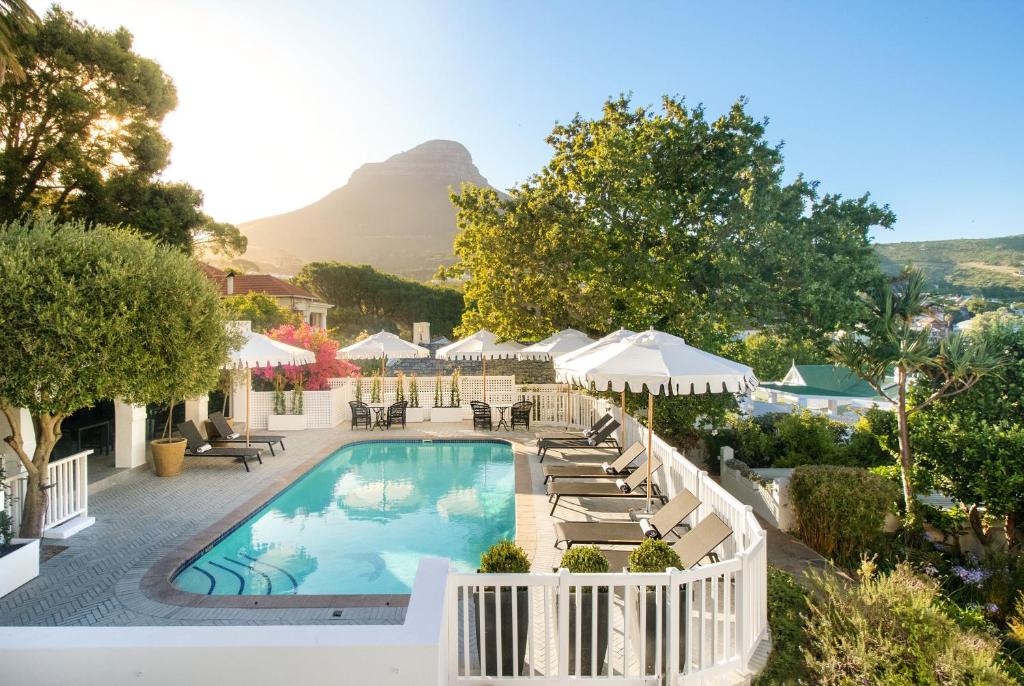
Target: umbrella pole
column 484, row 359
column 248, row 392
column 650, row 445
column 382, row 370
column 568, row 405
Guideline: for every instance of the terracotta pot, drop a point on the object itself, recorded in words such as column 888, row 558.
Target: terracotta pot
column 168, row 456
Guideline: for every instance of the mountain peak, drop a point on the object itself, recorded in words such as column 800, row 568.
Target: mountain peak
column 394, row 215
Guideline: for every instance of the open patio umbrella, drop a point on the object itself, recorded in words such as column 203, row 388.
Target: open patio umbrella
column 483, row 345
column 383, row 345
column 565, row 341
column 261, row 351
column 661, row 363
column 613, row 337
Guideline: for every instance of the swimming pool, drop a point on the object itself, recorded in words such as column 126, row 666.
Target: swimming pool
column 359, row 522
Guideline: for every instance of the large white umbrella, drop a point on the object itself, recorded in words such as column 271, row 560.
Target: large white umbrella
column 661, row 363
column 483, row 345
column 561, row 343
column 565, row 341
column 383, row 345
column 613, row 337
column 259, row 351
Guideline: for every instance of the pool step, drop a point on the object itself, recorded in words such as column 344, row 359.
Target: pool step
column 243, row 576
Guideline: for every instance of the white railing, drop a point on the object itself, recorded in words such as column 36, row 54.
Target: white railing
column 707, row 620
column 68, row 495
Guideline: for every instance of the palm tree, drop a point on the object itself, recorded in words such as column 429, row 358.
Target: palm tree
column 887, row 342
column 16, row 17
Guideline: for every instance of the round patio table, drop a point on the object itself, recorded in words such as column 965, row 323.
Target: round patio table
column 380, row 419
column 501, row 407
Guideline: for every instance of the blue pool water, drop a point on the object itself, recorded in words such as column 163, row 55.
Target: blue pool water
column 360, row 521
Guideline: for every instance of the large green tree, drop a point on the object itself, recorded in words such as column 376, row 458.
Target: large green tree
column 973, row 444
column 663, row 218
column 93, row 313
column 80, row 136
column 16, row 18
column 888, row 342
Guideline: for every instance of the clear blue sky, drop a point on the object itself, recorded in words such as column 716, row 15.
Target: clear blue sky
column 918, row 103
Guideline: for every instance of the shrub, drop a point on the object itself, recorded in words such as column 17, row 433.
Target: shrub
column 653, row 556
column 414, row 392
column 320, row 343
column 298, row 396
column 787, row 607
column 399, row 387
column 889, row 629
column 840, row 510
column 504, row 557
column 584, row 559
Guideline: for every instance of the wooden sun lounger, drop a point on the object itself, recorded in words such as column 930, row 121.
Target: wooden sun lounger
column 692, row 547
column 197, row 446
column 671, row 515
column 602, row 439
column 632, row 487
column 615, row 470
column 555, row 435
column 225, row 434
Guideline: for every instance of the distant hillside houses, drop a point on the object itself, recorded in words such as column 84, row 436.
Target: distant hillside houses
column 288, row 296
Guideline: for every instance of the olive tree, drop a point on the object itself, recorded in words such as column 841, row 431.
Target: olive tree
column 89, row 313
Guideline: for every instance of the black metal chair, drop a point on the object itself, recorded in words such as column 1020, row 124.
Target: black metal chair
column 521, row 412
column 361, row 415
column 396, row 413
column 481, row 415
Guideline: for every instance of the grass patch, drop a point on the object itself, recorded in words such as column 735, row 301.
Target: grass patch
column 787, row 608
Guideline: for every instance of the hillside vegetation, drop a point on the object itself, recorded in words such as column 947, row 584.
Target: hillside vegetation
column 993, row 267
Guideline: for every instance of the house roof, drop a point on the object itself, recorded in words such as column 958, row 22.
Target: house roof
column 254, row 283
column 824, row 380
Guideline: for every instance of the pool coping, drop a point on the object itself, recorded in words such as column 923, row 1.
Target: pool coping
column 156, row 584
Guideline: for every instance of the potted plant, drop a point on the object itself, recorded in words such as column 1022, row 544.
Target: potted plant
column 19, row 557
column 359, row 389
column 414, row 413
column 505, row 557
column 442, row 412
column 653, row 556
column 280, row 419
column 587, row 559
column 168, row 451
column 375, row 388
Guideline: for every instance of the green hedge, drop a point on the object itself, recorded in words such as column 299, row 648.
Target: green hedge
column 840, row 510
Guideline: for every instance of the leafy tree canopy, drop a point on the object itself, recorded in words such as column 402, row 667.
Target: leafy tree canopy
column 260, row 309
column 365, row 299
column 95, row 314
column 667, row 219
column 772, row 355
column 80, row 137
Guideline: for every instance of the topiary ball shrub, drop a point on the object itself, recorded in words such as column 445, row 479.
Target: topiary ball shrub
column 584, row 559
column 653, row 556
column 504, row 557
column 840, row 511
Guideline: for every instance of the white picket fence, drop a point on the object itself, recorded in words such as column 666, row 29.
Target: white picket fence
column 68, row 496
column 679, row 627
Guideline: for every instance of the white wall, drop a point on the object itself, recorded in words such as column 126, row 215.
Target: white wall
column 408, row 655
column 769, row 500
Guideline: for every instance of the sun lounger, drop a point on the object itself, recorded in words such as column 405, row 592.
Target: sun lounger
column 660, row 525
column 602, row 439
column 692, row 547
column 225, row 434
column 632, row 487
column 576, row 434
column 616, row 469
column 197, row 446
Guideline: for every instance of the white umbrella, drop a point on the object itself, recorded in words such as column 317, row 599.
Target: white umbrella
column 382, row 345
column 565, row 341
column 661, row 363
column 483, row 345
column 561, row 343
column 613, row 337
column 261, row 351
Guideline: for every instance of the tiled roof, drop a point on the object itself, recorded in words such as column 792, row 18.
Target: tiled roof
column 255, row 283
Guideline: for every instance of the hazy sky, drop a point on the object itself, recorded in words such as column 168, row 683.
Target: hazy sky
column 918, row 103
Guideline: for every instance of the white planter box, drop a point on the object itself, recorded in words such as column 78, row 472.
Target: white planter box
column 415, row 415
column 19, row 567
column 446, row 415
column 286, row 422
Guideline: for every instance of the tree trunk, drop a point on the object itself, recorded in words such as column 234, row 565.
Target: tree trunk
column 906, row 460
column 1012, row 524
column 38, row 482
column 977, row 526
